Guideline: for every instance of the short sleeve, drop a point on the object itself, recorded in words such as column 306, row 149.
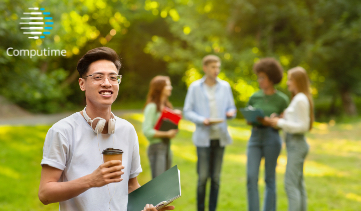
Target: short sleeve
column 250, row 101
column 55, row 150
column 149, row 115
column 136, row 168
column 285, row 104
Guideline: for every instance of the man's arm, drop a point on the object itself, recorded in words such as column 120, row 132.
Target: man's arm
column 188, row 109
column 133, row 184
column 51, row 191
column 231, row 108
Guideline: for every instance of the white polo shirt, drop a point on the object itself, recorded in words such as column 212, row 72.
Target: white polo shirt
column 72, row 146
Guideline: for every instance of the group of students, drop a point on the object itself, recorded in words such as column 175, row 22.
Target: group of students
column 75, row 174
column 211, row 97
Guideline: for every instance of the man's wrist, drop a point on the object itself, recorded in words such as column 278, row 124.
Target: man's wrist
column 203, row 119
column 87, row 181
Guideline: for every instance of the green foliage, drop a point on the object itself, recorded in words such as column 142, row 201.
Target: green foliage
column 322, row 36
column 223, row 30
column 335, row 47
column 163, row 37
column 38, row 92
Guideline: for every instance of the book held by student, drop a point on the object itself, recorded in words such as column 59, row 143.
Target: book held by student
column 160, row 191
column 168, row 120
column 252, row 114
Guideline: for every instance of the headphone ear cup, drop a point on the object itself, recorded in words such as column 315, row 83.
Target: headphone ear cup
column 100, row 126
column 111, row 126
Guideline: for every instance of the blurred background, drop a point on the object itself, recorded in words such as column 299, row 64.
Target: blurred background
column 170, row 37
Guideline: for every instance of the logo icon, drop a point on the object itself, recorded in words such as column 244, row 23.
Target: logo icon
column 38, row 23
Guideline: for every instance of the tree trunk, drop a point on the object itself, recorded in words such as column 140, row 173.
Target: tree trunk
column 44, row 67
column 270, row 38
column 232, row 20
column 348, row 103
column 70, row 79
column 332, row 110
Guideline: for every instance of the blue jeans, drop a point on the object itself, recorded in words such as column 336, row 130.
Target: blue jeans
column 209, row 166
column 297, row 149
column 264, row 142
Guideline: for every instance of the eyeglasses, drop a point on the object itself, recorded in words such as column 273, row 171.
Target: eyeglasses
column 99, row 78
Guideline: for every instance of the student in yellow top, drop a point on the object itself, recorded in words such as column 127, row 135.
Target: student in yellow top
column 297, row 120
column 159, row 153
column 265, row 140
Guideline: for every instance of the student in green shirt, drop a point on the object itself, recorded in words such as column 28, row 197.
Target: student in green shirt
column 265, row 140
column 159, row 153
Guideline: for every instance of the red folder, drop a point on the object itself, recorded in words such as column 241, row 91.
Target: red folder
column 169, row 115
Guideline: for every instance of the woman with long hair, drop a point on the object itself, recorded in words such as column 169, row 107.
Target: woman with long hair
column 298, row 119
column 159, row 153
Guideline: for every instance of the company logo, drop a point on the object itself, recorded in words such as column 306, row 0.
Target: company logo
column 37, row 23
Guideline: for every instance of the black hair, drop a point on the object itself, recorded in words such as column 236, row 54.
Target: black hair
column 101, row 53
column 271, row 67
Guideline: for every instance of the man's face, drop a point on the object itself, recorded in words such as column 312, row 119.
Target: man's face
column 212, row 69
column 100, row 92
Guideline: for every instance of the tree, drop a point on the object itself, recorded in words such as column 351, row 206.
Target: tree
column 171, row 37
column 336, row 48
column 48, row 84
column 321, row 36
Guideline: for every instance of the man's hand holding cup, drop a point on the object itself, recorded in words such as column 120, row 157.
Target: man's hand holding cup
column 110, row 171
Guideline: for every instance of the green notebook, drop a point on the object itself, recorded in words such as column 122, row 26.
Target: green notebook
column 251, row 114
column 160, row 191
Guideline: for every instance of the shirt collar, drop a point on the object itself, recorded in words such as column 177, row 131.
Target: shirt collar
column 203, row 79
column 264, row 95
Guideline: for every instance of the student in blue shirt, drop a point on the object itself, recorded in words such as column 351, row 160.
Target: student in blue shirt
column 208, row 99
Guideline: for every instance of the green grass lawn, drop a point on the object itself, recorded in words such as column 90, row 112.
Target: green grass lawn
column 332, row 171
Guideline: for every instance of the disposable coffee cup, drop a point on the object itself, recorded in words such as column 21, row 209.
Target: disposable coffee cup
column 112, row 154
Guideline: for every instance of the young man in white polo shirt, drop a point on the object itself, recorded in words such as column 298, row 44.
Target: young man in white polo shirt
column 73, row 172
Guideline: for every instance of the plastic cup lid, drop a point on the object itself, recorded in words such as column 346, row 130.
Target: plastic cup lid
column 112, row 151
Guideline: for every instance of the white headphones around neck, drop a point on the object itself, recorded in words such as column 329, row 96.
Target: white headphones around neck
column 101, row 123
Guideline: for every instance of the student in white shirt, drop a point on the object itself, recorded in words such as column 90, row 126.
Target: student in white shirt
column 73, row 172
column 298, row 119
